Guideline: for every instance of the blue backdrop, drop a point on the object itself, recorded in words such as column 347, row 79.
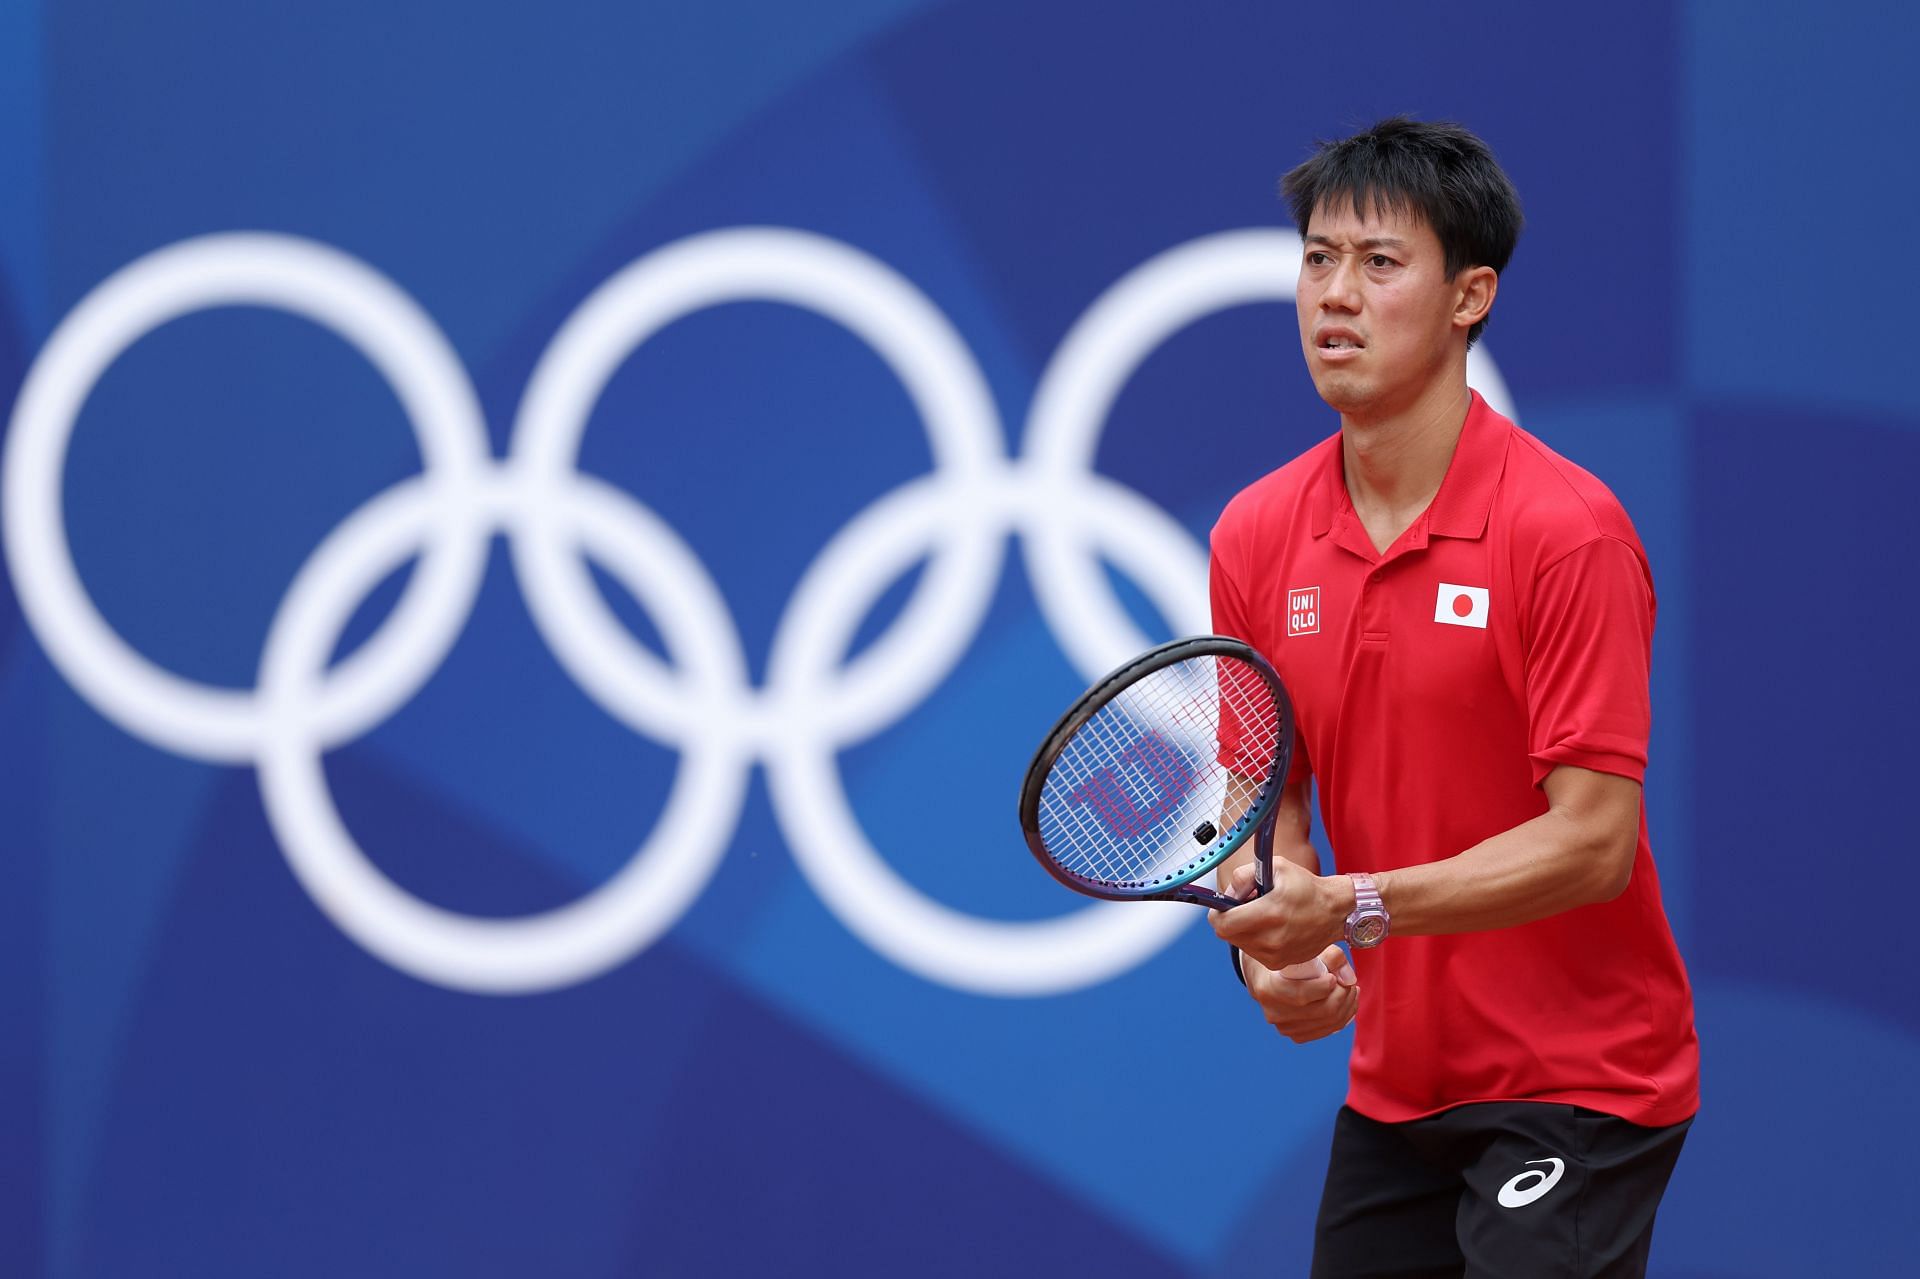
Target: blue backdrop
column 668, row 916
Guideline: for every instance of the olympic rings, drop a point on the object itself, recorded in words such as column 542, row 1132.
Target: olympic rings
column 814, row 702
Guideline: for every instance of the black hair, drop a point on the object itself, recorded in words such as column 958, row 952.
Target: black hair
column 1442, row 172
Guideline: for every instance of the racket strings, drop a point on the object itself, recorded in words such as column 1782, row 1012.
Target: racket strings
column 1130, row 800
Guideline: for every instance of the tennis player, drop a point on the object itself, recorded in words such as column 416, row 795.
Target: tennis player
column 1465, row 620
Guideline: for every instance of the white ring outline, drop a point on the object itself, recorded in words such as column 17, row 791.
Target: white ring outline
column 878, row 905
column 870, row 301
column 343, row 295
column 543, row 951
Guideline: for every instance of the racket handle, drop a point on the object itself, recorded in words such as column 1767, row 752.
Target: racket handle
column 1263, row 859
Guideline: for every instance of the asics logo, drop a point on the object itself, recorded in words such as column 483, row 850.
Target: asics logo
column 1531, row 1185
column 814, row 702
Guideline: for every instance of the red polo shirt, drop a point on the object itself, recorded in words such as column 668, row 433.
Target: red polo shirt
column 1507, row 632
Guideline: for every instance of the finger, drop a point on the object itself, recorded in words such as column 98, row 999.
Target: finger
column 1242, row 881
column 1307, row 1033
column 1244, row 925
column 1342, row 1007
column 1288, row 995
column 1300, row 986
column 1265, row 934
column 1340, row 966
column 1262, row 939
column 1329, row 1015
column 1342, row 1010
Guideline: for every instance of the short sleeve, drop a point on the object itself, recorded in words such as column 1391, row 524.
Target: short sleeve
column 1589, row 652
column 1230, row 618
column 1229, row 608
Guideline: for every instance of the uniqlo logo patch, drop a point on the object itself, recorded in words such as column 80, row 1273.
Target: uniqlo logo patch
column 1303, row 611
column 1461, row 605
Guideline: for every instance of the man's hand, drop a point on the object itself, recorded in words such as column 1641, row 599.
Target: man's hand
column 1305, row 1008
column 1291, row 924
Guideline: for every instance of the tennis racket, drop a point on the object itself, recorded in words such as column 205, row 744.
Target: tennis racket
column 1127, row 798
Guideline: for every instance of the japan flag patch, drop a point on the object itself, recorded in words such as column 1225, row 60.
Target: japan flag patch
column 1461, row 605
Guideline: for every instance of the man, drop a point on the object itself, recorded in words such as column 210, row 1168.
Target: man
column 1464, row 620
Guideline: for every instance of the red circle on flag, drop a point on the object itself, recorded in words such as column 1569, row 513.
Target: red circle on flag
column 1462, row 605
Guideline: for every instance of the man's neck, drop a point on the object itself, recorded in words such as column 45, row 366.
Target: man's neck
column 1394, row 464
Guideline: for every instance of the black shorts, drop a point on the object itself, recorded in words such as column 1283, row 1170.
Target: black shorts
column 1532, row 1190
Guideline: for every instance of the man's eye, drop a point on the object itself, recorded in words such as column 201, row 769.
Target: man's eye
column 1317, row 259
column 1379, row 259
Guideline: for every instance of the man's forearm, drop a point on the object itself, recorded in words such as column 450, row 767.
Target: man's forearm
column 1578, row 852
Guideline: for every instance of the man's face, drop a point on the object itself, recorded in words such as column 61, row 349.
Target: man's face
column 1376, row 308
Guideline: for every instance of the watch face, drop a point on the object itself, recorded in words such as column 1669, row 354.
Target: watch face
column 1369, row 930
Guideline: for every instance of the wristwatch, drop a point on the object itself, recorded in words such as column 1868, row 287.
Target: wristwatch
column 1367, row 925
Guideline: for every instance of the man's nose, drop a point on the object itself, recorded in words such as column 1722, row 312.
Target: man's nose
column 1342, row 292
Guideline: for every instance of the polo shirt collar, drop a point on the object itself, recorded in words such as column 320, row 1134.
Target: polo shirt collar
column 1465, row 499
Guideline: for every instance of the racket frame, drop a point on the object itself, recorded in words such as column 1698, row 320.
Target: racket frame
column 1256, row 822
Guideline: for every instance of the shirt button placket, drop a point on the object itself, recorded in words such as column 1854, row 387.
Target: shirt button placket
column 1373, row 609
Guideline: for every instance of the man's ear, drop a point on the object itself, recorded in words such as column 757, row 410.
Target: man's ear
column 1477, row 286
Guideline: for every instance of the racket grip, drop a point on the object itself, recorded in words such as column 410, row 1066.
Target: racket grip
column 1263, row 859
